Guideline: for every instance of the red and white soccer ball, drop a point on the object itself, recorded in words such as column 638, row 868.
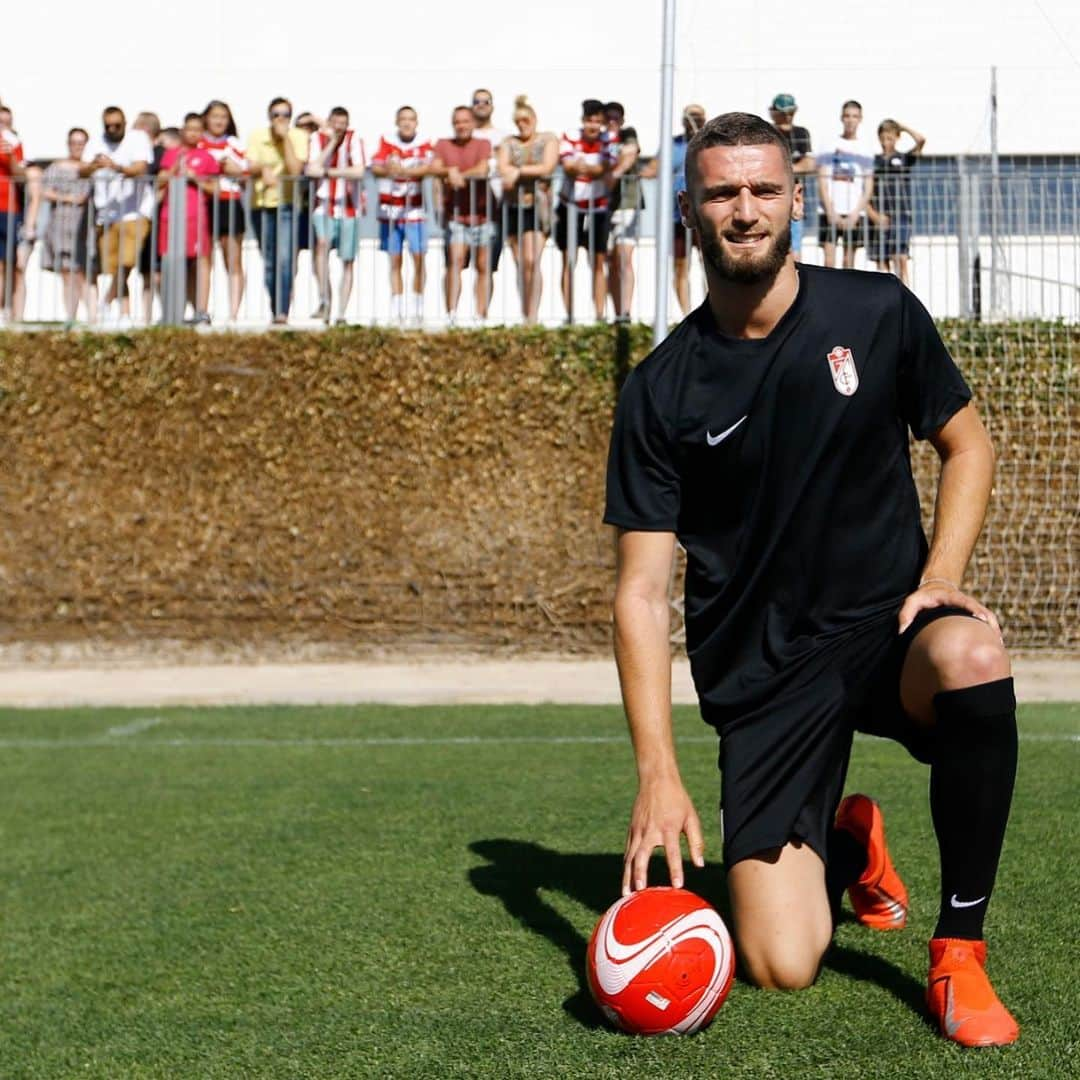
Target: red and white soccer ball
column 660, row 962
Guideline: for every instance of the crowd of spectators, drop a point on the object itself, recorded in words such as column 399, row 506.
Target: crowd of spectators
column 298, row 182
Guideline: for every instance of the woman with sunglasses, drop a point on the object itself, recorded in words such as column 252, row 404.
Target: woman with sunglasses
column 526, row 161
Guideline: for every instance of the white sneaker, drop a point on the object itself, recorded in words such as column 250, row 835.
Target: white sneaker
column 124, row 322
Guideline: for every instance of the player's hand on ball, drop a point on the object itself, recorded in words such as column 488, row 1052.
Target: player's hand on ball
column 939, row 593
column 662, row 813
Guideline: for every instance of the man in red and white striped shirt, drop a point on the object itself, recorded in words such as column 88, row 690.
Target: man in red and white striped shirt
column 400, row 163
column 586, row 161
column 336, row 157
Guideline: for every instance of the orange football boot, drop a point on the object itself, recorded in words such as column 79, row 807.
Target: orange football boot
column 878, row 897
column 961, row 999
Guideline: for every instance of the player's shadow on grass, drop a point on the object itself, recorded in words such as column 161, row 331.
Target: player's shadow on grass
column 518, row 870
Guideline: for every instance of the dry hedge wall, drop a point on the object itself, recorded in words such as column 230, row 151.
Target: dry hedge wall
column 370, row 487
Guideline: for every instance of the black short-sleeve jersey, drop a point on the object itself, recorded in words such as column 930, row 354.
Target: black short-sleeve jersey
column 783, row 466
column 892, row 183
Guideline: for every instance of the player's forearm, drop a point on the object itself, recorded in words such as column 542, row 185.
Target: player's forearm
column 963, row 495
column 643, row 656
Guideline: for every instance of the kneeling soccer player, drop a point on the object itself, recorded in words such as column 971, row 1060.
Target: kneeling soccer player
column 769, row 434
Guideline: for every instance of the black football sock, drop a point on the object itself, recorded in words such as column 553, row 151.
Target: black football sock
column 846, row 863
column 971, row 785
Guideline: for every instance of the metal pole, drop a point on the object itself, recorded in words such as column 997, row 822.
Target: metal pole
column 664, row 207
column 995, row 195
column 174, row 264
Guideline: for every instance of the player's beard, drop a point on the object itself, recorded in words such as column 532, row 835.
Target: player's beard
column 744, row 271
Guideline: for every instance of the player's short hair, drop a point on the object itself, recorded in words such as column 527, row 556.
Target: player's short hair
column 188, row 117
column 460, row 108
column 79, row 131
column 736, row 129
column 110, row 110
column 851, row 103
column 340, row 110
column 889, row 125
column 405, row 108
column 591, row 106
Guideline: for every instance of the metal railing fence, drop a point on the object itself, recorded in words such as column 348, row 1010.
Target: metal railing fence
column 971, row 242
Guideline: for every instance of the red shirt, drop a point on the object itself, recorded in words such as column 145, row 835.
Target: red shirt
column 470, row 204
column 402, row 199
column 9, row 192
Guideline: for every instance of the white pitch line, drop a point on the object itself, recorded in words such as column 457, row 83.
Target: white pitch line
column 142, row 723
column 391, row 741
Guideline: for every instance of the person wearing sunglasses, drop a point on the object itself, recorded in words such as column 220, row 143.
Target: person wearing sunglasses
column 483, row 106
column 276, row 156
column 119, row 160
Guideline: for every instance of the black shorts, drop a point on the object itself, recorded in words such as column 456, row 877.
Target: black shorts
column 837, row 234
column 592, row 229
column 520, row 219
column 226, row 217
column 783, row 775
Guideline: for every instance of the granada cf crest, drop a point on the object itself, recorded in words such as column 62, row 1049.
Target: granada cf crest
column 842, row 368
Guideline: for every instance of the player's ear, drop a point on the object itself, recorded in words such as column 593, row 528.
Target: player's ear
column 686, row 210
column 797, row 206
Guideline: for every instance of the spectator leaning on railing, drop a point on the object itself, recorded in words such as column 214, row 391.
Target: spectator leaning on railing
column 68, row 246
column 624, row 207
column 276, row 155
column 400, row 163
column 337, row 159
column 197, row 168
column 586, row 165
column 123, row 202
column 221, row 142
column 526, row 163
column 149, row 266
column 462, row 164
column 483, row 109
column 11, row 169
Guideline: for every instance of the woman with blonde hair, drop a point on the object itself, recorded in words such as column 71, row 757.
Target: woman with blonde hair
column 526, row 161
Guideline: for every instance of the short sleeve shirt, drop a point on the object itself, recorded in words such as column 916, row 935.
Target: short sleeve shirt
column 471, row 205
column 118, row 197
column 9, row 191
column 783, row 467
column 845, row 164
column 798, row 138
column 263, row 151
column 892, row 183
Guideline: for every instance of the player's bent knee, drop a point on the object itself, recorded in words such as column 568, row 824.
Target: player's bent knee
column 971, row 658
column 790, row 967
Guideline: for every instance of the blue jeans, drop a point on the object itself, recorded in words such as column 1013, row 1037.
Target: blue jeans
column 277, row 243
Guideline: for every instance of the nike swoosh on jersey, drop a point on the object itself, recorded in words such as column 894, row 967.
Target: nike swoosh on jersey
column 964, row 903
column 715, row 440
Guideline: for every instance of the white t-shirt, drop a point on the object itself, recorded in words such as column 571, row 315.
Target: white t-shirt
column 493, row 136
column 117, row 197
column 845, row 164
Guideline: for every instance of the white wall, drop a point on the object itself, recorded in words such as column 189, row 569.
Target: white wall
column 925, row 62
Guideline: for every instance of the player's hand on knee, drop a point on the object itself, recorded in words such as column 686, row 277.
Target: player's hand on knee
column 662, row 814
column 940, row 593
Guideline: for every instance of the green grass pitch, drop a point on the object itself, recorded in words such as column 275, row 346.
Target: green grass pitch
column 355, row 892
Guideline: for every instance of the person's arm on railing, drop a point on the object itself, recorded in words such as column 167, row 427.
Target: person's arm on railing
column 628, row 154
column 509, row 173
